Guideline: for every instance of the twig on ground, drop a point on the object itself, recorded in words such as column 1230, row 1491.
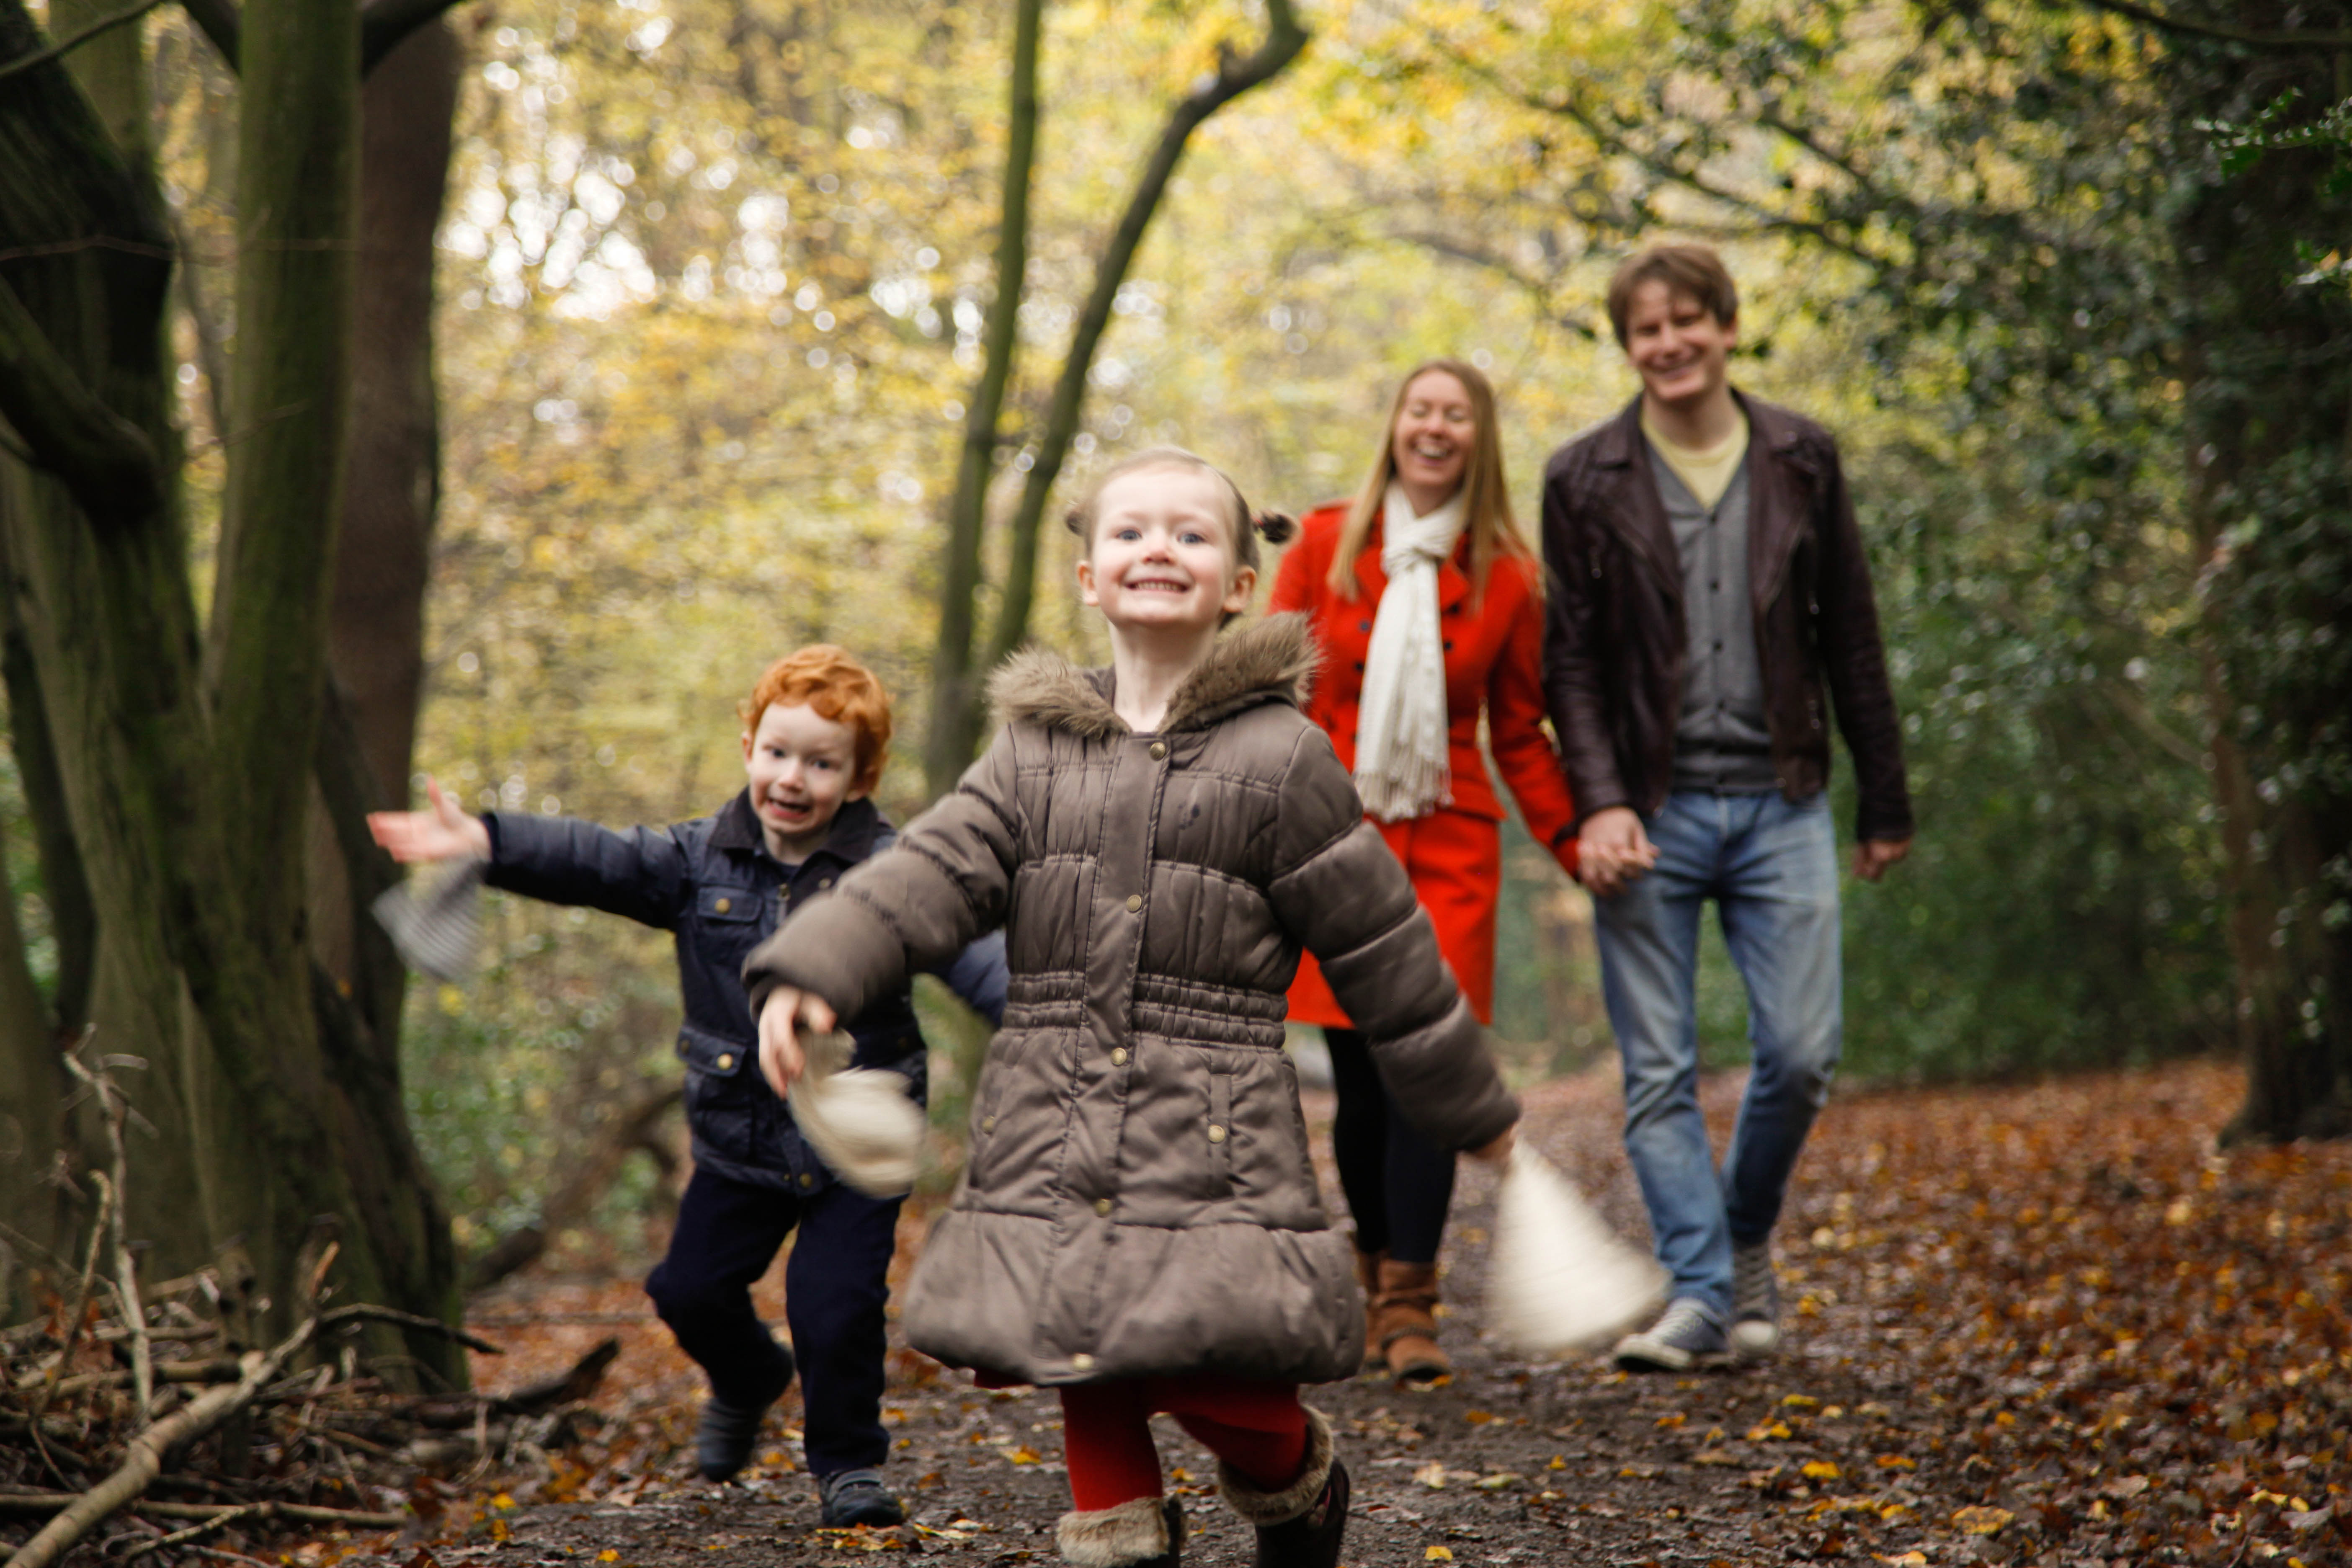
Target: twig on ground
column 363, row 1313
column 198, row 1531
column 143, row 1460
column 116, row 1107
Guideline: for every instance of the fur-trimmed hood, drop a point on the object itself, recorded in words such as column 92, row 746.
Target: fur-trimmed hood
column 1270, row 661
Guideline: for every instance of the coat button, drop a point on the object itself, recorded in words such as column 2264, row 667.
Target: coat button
column 726, row 1061
column 1216, row 1134
column 1102, row 1206
column 723, row 905
column 1159, row 750
column 1082, row 1362
column 988, row 1125
column 1135, row 903
column 807, row 1180
column 824, row 883
column 1118, row 1058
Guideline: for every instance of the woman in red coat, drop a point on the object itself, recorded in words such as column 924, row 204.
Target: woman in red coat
column 1428, row 608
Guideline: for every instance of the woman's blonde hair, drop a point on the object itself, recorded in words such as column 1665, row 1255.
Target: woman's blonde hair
column 1489, row 522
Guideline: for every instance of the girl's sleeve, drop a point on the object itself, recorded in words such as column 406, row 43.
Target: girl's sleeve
column 1522, row 747
column 1342, row 894
column 643, row 874
column 914, row 907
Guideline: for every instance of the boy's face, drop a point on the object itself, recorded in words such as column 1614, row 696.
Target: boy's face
column 800, row 764
column 1161, row 561
column 1676, row 346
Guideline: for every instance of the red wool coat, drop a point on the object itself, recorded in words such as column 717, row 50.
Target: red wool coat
column 1493, row 668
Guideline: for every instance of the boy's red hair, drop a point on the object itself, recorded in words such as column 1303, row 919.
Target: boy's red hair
column 838, row 688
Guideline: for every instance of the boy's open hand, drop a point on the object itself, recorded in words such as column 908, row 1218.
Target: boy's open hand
column 782, row 1061
column 444, row 832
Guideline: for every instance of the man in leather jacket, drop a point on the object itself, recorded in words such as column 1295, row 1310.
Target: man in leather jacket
column 1710, row 602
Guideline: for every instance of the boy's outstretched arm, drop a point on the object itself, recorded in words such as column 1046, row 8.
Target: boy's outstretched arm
column 642, row 874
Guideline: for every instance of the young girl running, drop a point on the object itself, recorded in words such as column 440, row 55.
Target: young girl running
column 1139, row 1224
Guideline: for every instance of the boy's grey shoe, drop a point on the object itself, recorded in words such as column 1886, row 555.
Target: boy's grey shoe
column 724, row 1438
column 858, row 1497
column 1755, row 1302
column 1685, row 1336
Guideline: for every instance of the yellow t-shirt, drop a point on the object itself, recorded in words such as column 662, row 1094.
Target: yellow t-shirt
column 1705, row 474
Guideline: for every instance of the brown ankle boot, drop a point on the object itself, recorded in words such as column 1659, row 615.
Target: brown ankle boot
column 1405, row 1323
column 1367, row 1275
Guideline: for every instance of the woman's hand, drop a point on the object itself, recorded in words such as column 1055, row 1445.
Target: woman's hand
column 444, row 832
column 1613, row 851
column 781, row 1060
column 1498, row 1153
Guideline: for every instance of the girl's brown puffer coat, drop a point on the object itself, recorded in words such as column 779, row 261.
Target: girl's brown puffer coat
column 1138, row 1198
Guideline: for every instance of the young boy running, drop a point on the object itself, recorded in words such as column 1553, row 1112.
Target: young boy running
column 817, row 730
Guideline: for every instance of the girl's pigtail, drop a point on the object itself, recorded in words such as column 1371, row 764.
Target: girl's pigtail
column 1274, row 527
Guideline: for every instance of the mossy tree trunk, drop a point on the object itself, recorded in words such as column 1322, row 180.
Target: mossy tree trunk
column 191, row 754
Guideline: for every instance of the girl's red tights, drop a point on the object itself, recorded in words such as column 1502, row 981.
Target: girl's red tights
column 1258, row 1428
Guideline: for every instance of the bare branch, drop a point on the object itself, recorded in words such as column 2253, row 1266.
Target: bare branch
column 104, row 459
column 2295, row 39
column 74, row 41
column 222, row 23
column 143, row 1460
column 386, row 23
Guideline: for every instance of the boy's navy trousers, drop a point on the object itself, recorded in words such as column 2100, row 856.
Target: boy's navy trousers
column 835, row 1288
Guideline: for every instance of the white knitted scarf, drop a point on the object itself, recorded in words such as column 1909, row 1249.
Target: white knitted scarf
column 1401, row 729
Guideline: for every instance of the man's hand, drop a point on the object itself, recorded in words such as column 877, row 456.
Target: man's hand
column 444, row 832
column 1498, row 1153
column 1611, row 850
column 782, row 1061
column 1872, row 857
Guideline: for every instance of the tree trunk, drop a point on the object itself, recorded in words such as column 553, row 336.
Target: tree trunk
column 187, row 764
column 2270, row 396
column 957, row 715
column 955, row 722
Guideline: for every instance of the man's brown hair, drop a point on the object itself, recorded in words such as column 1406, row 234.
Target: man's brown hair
column 1695, row 270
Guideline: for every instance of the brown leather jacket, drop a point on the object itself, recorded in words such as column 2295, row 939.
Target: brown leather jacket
column 1614, row 636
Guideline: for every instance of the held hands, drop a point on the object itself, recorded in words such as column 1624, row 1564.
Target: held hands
column 1613, row 851
column 782, row 1061
column 444, row 832
column 1872, row 857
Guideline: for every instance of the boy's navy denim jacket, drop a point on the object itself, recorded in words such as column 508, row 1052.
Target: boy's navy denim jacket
column 712, row 883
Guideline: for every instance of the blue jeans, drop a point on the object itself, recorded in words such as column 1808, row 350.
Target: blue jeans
column 1771, row 868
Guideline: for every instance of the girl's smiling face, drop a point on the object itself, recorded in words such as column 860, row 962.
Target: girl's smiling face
column 1161, row 558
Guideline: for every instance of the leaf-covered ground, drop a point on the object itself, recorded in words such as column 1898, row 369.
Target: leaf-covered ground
column 2044, row 1323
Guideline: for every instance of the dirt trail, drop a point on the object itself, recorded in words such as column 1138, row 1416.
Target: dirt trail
column 1916, row 1418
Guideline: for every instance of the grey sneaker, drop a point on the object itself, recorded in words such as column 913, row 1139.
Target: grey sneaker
column 857, row 1497
column 1755, row 1302
column 1686, row 1336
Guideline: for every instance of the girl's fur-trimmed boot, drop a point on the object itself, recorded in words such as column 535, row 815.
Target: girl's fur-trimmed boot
column 1147, row 1532
column 1404, row 1324
column 1299, row 1526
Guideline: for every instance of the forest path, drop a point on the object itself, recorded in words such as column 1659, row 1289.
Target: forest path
column 2036, row 1323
